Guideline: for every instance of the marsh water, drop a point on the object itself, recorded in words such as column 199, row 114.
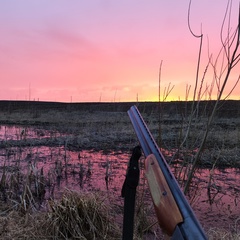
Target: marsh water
column 214, row 196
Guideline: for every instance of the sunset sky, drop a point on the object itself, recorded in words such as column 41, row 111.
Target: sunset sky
column 106, row 50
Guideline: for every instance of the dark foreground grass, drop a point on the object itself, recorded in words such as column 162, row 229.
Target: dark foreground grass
column 77, row 216
column 74, row 216
column 86, row 216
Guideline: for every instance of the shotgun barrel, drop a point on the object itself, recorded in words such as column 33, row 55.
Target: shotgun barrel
column 167, row 196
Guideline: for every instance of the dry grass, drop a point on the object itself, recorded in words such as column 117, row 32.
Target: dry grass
column 83, row 216
column 16, row 225
column 113, row 130
column 221, row 234
column 75, row 216
column 78, row 216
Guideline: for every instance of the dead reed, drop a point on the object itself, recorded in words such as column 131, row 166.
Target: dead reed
column 81, row 216
column 221, row 234
column 106, row 131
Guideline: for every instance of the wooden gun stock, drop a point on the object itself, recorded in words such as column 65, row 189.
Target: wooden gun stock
column 166, row 209
column 174, row 213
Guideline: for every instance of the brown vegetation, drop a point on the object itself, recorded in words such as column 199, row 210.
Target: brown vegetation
column 92, row 127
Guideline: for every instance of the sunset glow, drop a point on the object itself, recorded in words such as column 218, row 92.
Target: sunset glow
column 91, row 51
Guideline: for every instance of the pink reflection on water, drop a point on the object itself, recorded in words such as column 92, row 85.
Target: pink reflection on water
column 214, row 196
column 97, row 170
column 86, row 169
column 8, row 132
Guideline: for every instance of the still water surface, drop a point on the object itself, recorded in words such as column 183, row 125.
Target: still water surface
column 215, row 196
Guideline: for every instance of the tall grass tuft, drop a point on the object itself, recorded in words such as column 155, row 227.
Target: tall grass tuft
column 221, row 234
column 81, row 216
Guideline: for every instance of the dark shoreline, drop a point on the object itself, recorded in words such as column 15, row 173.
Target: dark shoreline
column 227, row 108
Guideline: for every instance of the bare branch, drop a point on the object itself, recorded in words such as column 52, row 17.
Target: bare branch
column 159, row 81
column 236, row 61
column 167, row 91
column 190, row 29
column 236, row 83
column 221, row 33
column 187, row 92
column 203, row 78
column 199, row 53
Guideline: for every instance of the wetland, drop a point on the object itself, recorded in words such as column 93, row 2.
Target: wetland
column 47, row 149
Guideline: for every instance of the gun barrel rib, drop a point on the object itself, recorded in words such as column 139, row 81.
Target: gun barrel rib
column 190, row 228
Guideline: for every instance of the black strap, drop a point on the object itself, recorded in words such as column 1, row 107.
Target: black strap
column 129, row 192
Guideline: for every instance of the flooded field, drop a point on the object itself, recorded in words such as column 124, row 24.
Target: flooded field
column 20, row 133
column 215, row 195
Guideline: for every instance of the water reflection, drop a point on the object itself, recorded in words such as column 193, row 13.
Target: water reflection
column 214, row 196
column 214, row 192
column 64, row 168
column 10, row 132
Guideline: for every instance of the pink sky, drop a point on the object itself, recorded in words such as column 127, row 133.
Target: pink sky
column 90, row 51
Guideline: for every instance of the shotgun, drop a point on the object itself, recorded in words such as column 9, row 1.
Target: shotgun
column 174, row 214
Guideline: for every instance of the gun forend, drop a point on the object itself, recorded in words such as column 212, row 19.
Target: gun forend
column 162, row 197
column 183, row 223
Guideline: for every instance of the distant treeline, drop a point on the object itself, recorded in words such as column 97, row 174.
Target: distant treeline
column 228, row 108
